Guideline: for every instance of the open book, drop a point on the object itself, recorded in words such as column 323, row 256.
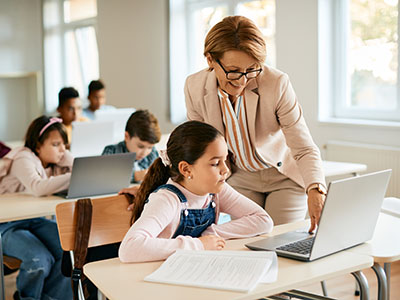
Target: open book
column 227, row 270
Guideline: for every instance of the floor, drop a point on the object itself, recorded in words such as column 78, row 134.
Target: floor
column 339, row 288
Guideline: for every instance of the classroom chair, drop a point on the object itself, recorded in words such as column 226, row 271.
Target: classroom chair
column 390, row 206
column 110, row 220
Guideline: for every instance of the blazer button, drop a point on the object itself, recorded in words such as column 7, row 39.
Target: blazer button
column 279, row 164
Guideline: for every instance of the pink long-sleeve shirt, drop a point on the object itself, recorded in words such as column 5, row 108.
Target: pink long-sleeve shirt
column 150, row 237
column 22, row 171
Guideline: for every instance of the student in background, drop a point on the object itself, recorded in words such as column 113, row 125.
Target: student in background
column 41, row 167
column 179, row 201
column 141, row 134
column 97, row 99
column 70, row 108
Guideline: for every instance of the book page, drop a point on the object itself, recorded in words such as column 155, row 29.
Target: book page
column 230, row 270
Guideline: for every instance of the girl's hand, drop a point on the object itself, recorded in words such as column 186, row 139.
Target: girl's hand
column 212, row 242
column 131, row 191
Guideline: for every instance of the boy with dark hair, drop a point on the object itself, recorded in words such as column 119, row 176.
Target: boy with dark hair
column 97, row 99
column 70, row 108
column 142, row 132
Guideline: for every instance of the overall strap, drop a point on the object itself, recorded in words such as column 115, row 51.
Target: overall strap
column 83, row 224
column 173, row 189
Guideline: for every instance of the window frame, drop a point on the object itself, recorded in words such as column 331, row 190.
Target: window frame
column 60, row 30
column 341, row 91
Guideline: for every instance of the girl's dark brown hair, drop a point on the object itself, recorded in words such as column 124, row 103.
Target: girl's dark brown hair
column 32, row 138
column 187, row 142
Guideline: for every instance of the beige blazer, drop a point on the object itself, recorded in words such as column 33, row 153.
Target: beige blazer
column 275, row 121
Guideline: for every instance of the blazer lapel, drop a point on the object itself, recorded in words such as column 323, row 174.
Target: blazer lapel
column 212, row 103
column 251, row 98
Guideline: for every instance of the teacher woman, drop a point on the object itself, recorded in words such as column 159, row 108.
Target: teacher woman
column 273, row 158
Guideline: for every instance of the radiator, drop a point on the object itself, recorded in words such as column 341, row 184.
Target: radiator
column 376, row 158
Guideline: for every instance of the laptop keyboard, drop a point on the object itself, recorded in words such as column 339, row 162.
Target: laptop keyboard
column 301, row 247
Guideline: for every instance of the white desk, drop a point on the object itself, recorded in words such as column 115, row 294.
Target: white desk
column 15, row 207
column 383, row 248
column 118, row 281
column 391, row 206
column 335, row 168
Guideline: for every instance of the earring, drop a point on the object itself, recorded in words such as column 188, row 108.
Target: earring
column 189, row 177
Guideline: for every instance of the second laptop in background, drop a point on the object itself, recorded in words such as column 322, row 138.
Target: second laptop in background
column 90, row 138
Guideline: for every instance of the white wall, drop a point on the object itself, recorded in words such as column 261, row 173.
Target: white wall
column 20, row 53
column 133, row 51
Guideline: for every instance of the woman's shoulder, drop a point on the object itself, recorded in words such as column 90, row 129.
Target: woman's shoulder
column 271, row 80
column 199, row 77
column 269, row 73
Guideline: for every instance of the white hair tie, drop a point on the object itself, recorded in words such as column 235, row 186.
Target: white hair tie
column 164, row 158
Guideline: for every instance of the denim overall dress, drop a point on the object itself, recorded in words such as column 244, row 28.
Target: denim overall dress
column 193, row 221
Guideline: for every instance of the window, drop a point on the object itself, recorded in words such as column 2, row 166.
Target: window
column 366, row 78
column 190, row 21
column 70, row 47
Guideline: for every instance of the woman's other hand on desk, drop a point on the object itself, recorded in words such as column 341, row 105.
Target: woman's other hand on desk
column 131, row 191
column 212, row 242
column 316, row 202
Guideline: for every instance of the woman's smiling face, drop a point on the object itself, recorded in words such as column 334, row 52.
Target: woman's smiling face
column 233, row 61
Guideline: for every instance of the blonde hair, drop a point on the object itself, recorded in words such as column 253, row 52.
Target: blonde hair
column 235, row 33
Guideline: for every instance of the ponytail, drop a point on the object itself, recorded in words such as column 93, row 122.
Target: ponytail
column 156, row 175
column 187, row 142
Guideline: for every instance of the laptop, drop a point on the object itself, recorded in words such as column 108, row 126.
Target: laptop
column 348, row 219
column 90, row 138
column 118, row 117
column 99, row 175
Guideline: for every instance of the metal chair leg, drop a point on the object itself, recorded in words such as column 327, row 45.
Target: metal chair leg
column 382, row 281
column 324, row 288
column 387, row 268
column 81, row 295
column 356, row 289
column 362, row 281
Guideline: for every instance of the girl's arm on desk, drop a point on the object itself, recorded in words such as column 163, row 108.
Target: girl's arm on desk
column 149, row 238
column 248, row 218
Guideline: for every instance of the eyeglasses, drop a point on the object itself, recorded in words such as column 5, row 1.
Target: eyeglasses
column 235, row 75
